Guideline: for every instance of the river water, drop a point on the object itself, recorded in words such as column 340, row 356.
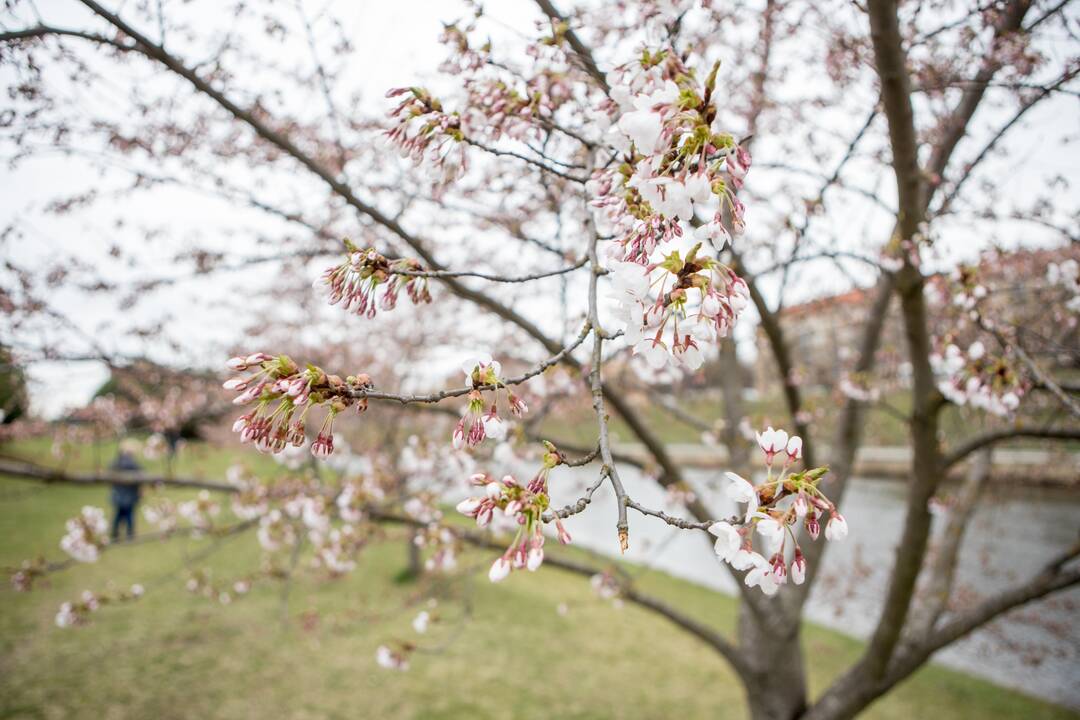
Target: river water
column 1035, row 649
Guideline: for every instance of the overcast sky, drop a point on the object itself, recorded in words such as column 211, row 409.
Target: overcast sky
column 399, row 43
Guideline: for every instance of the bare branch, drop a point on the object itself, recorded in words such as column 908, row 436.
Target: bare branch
column 994, row 437
column 492, row 277
column 580, row 49
column 29, row 471
column 364, row 392
column 941, row 567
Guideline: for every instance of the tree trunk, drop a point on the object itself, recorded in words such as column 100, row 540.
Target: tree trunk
column 416, row 567
column 776, row 685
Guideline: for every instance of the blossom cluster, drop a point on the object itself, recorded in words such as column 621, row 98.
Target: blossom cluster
column 78, row 612
column 393, row 659
column 480, row 420
column 605, row 586
column 443, row 544
column 1067, row 275
column 161, row 513
column 522, row 505
column 199, row 512
column 200, row 582
column 670, row 308
column 86, row 534
column 284, row 394
column 424, row 131
column 774, row 509
column 675, row 160
column 22, row 580
column 973, row 377
column 251, row 499
column 398, row 659
column 366, row 281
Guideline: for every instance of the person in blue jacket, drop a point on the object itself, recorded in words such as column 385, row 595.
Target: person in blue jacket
column 125, row 497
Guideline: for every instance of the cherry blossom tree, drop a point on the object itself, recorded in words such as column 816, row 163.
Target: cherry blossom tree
column 579, row 198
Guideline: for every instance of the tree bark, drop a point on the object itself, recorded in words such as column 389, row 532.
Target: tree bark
column 776, row 676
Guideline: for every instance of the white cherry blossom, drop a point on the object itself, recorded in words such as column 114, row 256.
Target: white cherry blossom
column 728, row 540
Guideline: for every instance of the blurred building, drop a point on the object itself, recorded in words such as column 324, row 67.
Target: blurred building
column 824, row 333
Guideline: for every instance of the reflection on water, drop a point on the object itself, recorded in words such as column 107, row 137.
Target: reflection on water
column 1012, row 534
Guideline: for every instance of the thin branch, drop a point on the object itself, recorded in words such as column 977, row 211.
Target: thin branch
column 580, row 49
column 596, row 384
column 677, row 521
column 1053, row 578
column 941, row 568
column 493, row 278
column 994, row 437
column 363, row 392
column 29, row 471
column 997, row 136
column 531, row 161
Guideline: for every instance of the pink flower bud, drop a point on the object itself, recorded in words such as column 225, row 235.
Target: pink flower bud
column 499, row 570
column 779, row 569
column 798, row 568
column 536, row 558
column 564, row 536
column 837, row 528
column 469, row 507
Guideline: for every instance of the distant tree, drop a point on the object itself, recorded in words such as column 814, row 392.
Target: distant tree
column 13, row 396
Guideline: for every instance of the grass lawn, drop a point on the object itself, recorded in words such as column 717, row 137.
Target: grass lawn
column 496, row 651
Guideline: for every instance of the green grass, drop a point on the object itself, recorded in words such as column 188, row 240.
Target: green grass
column 496, row 651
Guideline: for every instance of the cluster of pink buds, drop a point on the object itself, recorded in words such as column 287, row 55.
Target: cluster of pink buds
column 28, row 572
column 442, row 543
column 773, row 509
column 464, row 57
column 655, row 301
column 275, row 531
column 76, row 613
column 498, row 109
column 523, row 505
column 393, row 659
column 424, row 130
column 250, row 502
column 1066, row 274
column 161, row 513
column 200, row 512
column 86, row 534
column 355, row 498
column 357, row 282
column 973, row 377
column 336, row 550
column 605, row 586
column 200, row 582
column 480, row 420
column 284, row 394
